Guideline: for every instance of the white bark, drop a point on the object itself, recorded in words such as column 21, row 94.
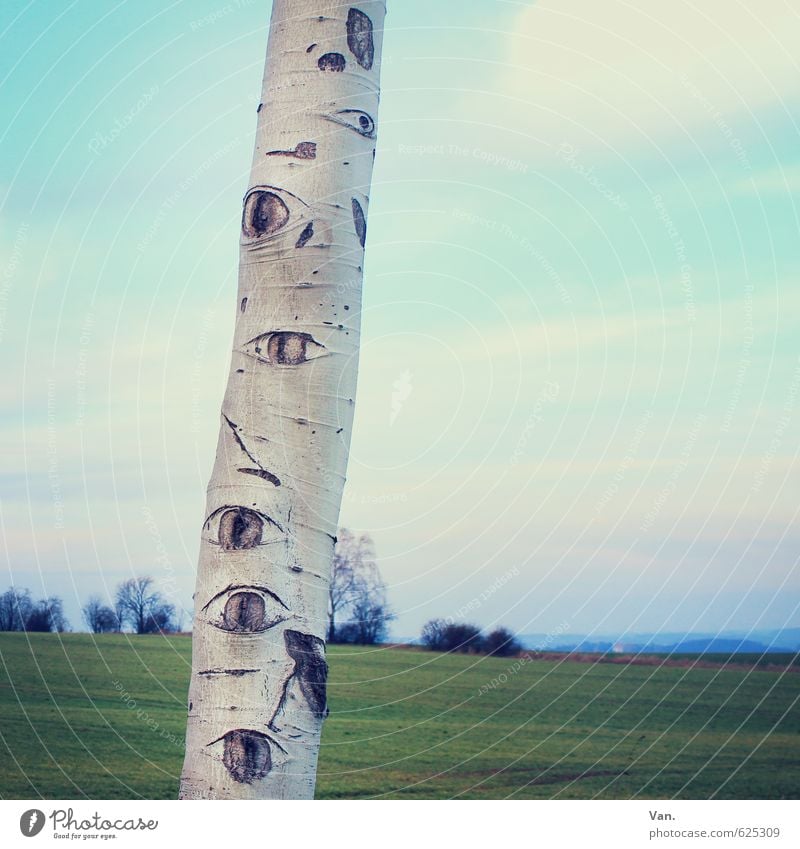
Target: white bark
column 257, row 692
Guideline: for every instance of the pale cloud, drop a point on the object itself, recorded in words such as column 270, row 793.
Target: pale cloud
column 651, row 328
column 616, row 72
column 778, row 180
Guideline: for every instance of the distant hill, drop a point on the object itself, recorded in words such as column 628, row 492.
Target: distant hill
column 774, row 641
column 785, row 640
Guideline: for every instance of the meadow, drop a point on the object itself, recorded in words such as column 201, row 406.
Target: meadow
column 102, row 717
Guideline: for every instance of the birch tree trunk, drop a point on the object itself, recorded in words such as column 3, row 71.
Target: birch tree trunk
column 257, row 693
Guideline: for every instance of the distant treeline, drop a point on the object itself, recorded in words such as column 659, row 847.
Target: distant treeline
column 137, row 607
column 19, row 612
column 464, row 637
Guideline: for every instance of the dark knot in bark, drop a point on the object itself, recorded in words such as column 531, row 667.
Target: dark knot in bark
column 247, row 755
column 264, row 214
column 359, row 38
column 331, row 62
column 311, row 670
column 360, row 221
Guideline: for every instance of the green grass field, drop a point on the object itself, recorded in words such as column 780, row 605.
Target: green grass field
column 103, row 717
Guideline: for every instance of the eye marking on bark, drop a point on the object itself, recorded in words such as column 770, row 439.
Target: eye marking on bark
column 239, row 528
column 247, row 755
column 234, row 672
column 243, row 304
column 359, row 38
column 311, row 47
column 311, row 670
column 267, row 210
column 286, row 348
column 262, row 473
column 234, row 587
column 360, row 222
column 356, row 119
column 302, row 150
column 264, row 214
column 246, row 610
column 307, row 233
column 331, row 62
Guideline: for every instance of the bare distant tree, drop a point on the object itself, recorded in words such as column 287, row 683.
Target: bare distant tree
column 433, row 634
column 141, row 606
column 58, row 622
column 358, row 588
column 352, row 557
column 119, row 613
column 161, row 620
column 502, row 643
column 135, row 599
column 441, row 635
column 108, row 621
column 18, row 612
column 370, row 622
column 91, row 613
column 100, row 618
column 15, row 608
column 47, row 615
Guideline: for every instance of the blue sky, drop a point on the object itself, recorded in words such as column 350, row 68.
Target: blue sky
column 578, row 399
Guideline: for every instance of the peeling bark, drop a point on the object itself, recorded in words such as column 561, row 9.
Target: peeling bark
column 264, row 474
column 311, row 670
column 258, row 687
column 302, row 150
